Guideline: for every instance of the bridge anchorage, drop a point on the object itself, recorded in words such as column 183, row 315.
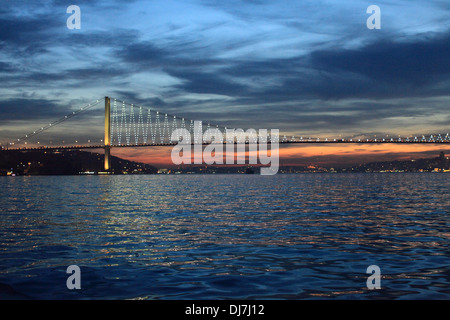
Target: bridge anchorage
column 152, row 129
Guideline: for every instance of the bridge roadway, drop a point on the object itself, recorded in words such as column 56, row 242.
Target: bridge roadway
column 334, row 141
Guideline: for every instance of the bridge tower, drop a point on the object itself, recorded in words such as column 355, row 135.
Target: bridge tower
column 107, row 134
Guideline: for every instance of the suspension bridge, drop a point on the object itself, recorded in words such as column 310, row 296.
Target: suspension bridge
column 128, row 125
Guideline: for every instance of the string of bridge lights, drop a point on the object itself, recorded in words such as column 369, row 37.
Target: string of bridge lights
column 154, row 126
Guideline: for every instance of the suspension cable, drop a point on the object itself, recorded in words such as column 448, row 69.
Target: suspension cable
column 55, row 123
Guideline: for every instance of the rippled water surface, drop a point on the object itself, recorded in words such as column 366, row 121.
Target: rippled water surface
column 305, row 236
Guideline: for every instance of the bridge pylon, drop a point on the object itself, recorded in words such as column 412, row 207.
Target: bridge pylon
column 107, row 134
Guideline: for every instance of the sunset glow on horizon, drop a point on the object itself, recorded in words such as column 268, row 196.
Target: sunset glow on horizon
column 294, row 155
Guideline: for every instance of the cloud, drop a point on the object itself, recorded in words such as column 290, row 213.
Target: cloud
column 417, row 62
column 207, row 82
column 137, row 99
column 377, row 70
column 381, row 69
column 28, row 36
column 6, row 67
column 146, row 54
column 98, row 39
column 25, row 109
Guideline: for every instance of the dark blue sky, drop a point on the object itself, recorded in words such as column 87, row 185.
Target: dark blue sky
column 304, row 67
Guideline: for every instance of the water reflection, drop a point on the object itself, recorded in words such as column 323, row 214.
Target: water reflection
column 227, row 236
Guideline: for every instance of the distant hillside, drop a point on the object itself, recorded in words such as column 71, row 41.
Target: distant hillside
column 440, row 163
column 64, row 163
